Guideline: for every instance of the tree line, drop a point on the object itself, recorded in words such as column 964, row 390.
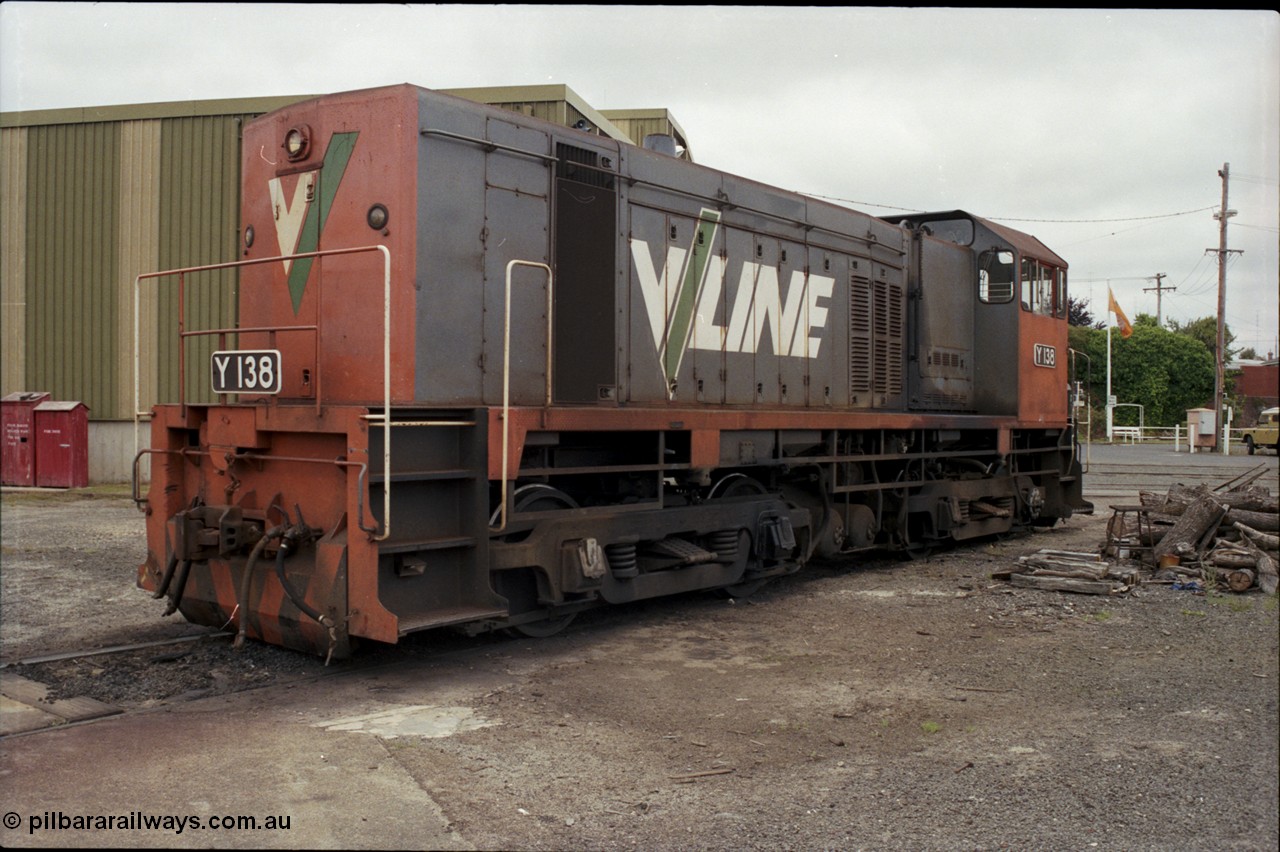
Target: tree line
column 1166, row 370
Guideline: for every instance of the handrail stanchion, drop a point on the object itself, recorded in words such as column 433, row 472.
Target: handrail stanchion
column 183, row 334
column 506, row 378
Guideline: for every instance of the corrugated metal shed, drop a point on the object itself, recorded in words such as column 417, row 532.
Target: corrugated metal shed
column 639, row 123
column 91, row 197
column 555, row 103
column 13, row 258
column 199, row 207
column 71, row 245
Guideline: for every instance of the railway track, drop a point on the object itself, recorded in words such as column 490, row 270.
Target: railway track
column 1122, row 471
column 114, row 649
column 48, row 691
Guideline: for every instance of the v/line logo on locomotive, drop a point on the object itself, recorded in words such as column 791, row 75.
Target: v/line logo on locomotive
column 300, row 222
column 683, row 298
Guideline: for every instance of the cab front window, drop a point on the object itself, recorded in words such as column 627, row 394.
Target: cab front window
column 1044, row 288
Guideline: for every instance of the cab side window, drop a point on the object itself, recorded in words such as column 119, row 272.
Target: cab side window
column 995, row 276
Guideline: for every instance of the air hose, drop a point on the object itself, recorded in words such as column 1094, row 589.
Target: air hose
column 167, row 578
column 184, row 569
column 291, row 537
column 290, row 540
column 242, row 599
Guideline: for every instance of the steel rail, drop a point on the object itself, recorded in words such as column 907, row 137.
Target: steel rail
column 113, row 649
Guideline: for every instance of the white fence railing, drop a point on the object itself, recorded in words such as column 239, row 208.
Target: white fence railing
column 1148, row 434
column 1175, row 435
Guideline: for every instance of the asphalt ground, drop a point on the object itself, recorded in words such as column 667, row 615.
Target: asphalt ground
column 1117, row 472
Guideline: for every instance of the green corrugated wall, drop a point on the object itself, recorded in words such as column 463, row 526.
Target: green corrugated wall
column 106, row 201
column 71, row 245
column 199, row 219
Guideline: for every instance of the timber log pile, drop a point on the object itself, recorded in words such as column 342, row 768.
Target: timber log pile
column 1070, row 571
column 1227, row 538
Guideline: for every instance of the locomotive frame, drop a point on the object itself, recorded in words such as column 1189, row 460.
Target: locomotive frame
column 585, row 373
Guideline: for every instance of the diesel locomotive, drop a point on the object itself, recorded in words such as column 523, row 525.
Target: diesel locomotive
column 490, row 371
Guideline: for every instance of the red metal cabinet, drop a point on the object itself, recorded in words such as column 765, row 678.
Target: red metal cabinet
column 62, row 444
column 19, row 451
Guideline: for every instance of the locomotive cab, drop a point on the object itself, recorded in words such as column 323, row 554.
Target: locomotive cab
column 1004, row 336
column 989, row 307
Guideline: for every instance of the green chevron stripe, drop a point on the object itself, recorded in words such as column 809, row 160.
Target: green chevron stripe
column 336, row 157
column 686, row 301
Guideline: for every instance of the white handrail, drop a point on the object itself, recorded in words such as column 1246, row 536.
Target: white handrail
column 386, row 350
column 506, row 377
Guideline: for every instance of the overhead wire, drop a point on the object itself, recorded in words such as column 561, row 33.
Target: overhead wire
column 908, row 210
column 1103, row 221
column 1195, row 282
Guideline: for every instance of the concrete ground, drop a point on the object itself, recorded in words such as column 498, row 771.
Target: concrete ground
column 299, row 754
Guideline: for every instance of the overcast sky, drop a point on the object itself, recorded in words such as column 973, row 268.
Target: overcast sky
column 1101, row 132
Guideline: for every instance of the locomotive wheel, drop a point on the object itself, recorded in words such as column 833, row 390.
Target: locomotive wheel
column 535, row 498
column 917, row 551
column 542, row 629
column 736, row 485
column 539, row 498
column 739, row 485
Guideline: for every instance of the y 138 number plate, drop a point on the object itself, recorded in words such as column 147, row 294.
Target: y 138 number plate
column 246, row 371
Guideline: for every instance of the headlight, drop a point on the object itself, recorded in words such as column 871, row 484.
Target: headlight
column 378, row 217
column 297, row 142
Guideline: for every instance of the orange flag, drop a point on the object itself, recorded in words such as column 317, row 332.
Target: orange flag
column 1126, row 327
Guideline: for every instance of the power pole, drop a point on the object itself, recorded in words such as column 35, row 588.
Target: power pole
column 1158, row 277
column 1219, row 383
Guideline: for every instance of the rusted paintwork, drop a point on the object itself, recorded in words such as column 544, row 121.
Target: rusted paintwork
column 361, row 152
column 265, row 464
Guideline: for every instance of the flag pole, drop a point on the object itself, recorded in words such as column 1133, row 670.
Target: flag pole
column 1110, row 322
column 1110, row 406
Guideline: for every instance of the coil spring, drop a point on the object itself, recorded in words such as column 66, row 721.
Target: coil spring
column 725, row 544
column 623, row 560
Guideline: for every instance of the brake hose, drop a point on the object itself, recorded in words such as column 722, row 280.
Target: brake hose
column 242, row 599
column 184, row 569
column 167, row 578
column 288, row 541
